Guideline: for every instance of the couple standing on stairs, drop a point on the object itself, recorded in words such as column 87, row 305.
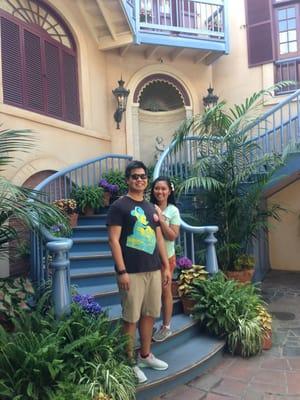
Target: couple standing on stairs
column 141, row 237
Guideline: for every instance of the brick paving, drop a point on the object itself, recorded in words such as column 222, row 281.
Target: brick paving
column 273, row 375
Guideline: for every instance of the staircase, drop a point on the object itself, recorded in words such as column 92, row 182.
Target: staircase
column 188, row 352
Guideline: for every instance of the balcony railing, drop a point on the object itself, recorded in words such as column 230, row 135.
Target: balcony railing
column 179, row 19
column 288, row 70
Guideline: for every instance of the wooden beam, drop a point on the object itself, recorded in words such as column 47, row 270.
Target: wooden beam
column 123, row 50
column 107, row 18
column 212, row 58
column 107, row 43
column 176, row 53
column 201, row 57
column 150, row 52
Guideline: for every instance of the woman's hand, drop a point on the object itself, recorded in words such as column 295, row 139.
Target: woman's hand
column 158, row 211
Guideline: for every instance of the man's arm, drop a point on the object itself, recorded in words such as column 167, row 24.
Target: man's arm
column 114, row 233
column 166, row 274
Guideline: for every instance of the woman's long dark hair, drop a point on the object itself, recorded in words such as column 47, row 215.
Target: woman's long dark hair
column 171, row 197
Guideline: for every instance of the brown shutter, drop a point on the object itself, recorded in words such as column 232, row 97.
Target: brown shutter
column 259, row 32
column 34, row 92
column 70, row 88
column 11, row 62
column 53, row 80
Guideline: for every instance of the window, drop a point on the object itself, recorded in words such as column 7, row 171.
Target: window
column 39, row 61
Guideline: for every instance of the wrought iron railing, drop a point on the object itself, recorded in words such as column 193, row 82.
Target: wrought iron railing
column 50, row 252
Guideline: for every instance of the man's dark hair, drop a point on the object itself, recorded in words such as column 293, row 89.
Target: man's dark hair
column 134, row 165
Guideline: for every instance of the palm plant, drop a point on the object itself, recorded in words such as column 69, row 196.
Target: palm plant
column 23, row 204
column 228, row 177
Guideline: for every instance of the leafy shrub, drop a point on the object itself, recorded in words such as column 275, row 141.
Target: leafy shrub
column 228, row 309
column 14, row 296
column 46, row 359
column 88, row 196
column 116, row 177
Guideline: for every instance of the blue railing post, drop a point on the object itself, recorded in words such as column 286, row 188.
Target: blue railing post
column 60, row 265
column 211, row 255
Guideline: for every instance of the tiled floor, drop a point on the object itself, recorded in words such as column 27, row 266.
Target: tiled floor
column 275, row 374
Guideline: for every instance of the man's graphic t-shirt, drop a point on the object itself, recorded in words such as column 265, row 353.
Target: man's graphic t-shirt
column 138, row 237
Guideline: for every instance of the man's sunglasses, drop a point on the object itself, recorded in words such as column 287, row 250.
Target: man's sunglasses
column 137, row 176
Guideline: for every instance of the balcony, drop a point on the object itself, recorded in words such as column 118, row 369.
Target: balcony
column 190, row 24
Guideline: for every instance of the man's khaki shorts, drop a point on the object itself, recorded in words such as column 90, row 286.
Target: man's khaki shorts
column 143, row 297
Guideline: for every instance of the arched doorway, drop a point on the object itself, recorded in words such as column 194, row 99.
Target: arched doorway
column 162, row 103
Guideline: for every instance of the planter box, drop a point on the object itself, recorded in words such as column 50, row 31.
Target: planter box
column 244, row 276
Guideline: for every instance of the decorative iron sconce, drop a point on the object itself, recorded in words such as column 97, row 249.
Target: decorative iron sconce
column 121, row 94
column 211, row 99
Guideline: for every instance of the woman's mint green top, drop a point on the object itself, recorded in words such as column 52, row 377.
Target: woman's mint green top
column 171, row 214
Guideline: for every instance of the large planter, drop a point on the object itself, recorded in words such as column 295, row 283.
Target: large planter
column 187, row 304
column 73, row 219
column 267, row 340
column 88, row 211
column 243, row 276
column 106, row 199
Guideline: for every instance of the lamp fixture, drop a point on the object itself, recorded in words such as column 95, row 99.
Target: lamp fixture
column 211, row 99
column 121, row 95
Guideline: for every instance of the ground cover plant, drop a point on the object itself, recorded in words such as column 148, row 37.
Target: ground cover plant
column 81, row 356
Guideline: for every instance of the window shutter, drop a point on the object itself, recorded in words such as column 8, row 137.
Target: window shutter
column 33, row 72
column 259, row 32
column 53, row 80
column 11, row 62
column 70, row 88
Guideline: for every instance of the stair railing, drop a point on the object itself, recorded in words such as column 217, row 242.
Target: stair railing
column 50, row 253
column 176, row 161
column 277, row 128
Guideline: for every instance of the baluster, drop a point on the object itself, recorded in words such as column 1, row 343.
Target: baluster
column 211, row 255
column 60, row 265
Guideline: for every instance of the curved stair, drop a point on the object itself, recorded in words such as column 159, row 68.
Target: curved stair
column 187, row 351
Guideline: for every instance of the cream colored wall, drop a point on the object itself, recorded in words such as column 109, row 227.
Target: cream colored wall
column 284, row 236
column 153, row 124
column 59, row 142
column 134, row 68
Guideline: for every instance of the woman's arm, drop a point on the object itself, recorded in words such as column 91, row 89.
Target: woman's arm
column 170, row 232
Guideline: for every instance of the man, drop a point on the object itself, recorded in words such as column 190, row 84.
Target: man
column 141, row 264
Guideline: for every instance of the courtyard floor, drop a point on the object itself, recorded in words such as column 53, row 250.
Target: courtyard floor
column 275, row 374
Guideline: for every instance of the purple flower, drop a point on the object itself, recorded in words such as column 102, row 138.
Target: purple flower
column 109, row 187
column 184, row 263
column 88, row 304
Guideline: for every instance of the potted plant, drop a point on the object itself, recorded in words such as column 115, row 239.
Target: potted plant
column 187, row 278
column 265, row 320
column 116, row 177
column 182, row 263
column 243, row 269
column 229, row 310
column 88, row 198
column 69, row 208
column 109, row 190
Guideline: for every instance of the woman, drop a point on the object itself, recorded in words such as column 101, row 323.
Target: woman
column 162, row 196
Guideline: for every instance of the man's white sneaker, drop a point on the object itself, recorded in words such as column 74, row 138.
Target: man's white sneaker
column 152, row 362
column 141, row 377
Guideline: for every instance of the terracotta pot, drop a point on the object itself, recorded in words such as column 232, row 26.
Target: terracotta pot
column 174, row 288
column 88, row 211
column 73, row 218
column 187, row 304
column 267, row 341
column 244, row 276
column 106, row 199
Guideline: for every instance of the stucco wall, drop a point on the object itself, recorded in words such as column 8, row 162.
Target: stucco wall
column 284, row 236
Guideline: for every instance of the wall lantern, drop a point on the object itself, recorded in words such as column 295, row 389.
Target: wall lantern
column 121, row 95
column 211, row 99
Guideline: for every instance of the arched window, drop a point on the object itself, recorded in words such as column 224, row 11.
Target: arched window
column 39, row 61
